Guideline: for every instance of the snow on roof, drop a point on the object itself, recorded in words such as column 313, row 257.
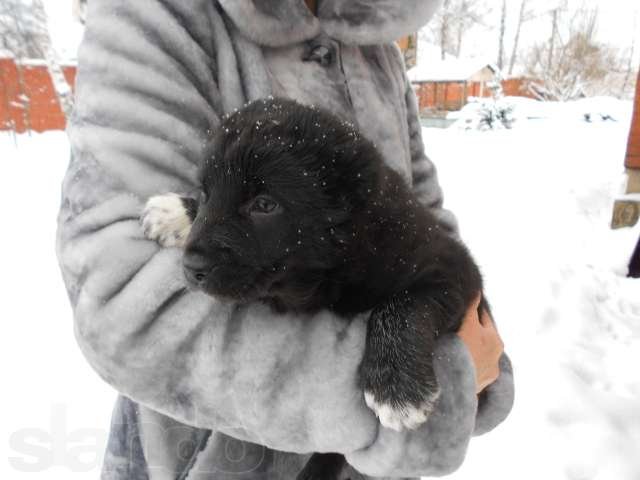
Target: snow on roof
column 39, row 62
column 432, row 68
column 36, row 62
column 454, row 70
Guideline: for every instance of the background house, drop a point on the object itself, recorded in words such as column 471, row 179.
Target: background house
column 28, row 100
column 447, row 84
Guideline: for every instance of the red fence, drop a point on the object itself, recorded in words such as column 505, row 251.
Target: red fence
column 27, row 97
column 28, row 100
column 454, row 95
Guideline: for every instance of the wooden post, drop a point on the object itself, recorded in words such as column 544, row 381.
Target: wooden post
column 626, row 210
column 633, row 147
column 632, row 162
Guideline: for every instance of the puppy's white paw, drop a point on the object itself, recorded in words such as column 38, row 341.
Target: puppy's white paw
column 165, row 220
column 400, row 417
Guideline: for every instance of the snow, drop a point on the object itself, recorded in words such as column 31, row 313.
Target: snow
column 449, row 70
column 41, row 62
column 55, row 410
column 65, row 31
column 430, row 66
column 534, row 205
column 572, row 112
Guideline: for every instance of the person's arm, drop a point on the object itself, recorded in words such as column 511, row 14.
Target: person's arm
column 149, row 88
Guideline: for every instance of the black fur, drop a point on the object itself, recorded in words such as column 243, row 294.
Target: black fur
column 634, row 263
column 347, row 234
column 191, row 207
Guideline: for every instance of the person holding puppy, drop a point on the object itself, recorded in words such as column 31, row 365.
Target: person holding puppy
column 212, row 390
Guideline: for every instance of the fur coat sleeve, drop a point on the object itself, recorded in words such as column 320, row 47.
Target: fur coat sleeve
column 149, row 90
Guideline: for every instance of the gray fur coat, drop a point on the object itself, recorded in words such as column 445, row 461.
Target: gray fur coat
column 212, row 390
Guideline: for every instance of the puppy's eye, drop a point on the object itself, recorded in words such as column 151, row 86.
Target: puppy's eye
column 264, row 205
column 203, row 197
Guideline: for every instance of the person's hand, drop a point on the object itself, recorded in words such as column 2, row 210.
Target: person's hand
column 484, row 343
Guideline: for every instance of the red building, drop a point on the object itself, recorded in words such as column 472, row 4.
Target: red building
column 446, row 85
column 27, row 98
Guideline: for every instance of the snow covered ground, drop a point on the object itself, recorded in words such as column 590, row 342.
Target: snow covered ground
column 55, row 410
column 534, row 204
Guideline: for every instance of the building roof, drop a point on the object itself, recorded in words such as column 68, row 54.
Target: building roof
column 451, row 70
column 35, row 62
column 432, row 68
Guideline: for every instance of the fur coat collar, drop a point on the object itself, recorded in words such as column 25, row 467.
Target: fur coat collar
column 277, row 23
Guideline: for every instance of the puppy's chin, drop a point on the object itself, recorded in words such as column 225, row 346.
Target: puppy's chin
column 237, row 283
column 228, row 294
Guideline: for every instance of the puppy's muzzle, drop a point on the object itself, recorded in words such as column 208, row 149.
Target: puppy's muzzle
column 199, row 267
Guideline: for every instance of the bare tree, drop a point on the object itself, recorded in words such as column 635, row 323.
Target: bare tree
column 574, row 64
column 60, row 85
column 445, row 20
column 503, row 28
column 554, row 34
column 523, row 16
column 21, row 35
column 24, row 35
column 21, row 38
column 631, row 57
column 453, row 20
column 467, row 14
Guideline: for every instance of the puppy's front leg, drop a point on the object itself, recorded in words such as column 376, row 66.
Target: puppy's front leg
column 167, row 219
column 397, row 373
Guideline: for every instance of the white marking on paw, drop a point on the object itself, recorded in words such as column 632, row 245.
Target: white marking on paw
column 400, row 417
column 165, row 220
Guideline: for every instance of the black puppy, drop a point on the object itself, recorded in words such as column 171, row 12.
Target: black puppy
column 298, row 210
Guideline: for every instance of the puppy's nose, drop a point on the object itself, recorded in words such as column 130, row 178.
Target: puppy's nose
column 196, row 267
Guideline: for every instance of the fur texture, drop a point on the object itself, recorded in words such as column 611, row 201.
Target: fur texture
column 154, row 79
column 299, row 211
column 360, row 22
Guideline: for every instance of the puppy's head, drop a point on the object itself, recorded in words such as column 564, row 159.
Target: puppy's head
column 280, row 186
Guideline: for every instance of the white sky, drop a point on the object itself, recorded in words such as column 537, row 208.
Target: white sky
column 616, row 25
column 65, row 32
column 617, row 19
